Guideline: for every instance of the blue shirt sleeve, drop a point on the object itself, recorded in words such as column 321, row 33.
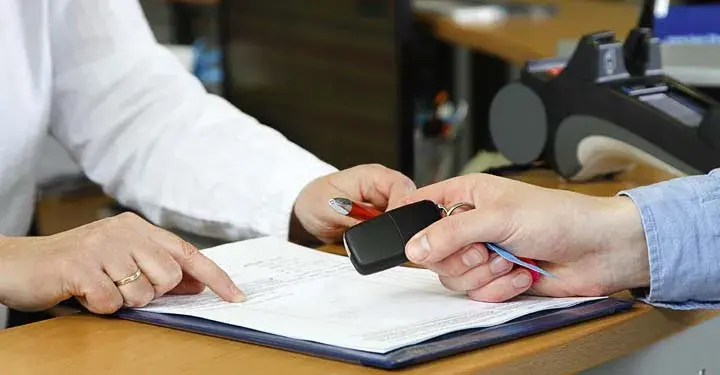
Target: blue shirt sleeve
column 681, row 219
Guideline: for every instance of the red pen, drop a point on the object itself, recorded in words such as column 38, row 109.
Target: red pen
column 346, row 207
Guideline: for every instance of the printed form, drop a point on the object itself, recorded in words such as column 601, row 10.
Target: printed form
column 310, row 295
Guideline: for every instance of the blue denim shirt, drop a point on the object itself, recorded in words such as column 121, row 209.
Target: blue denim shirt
column 681, row 219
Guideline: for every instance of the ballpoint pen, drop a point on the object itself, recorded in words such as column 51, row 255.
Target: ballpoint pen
column 347, row 207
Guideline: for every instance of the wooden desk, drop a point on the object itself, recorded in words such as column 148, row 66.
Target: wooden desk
column 519, row 40
column 84, row 345
column 87, row 345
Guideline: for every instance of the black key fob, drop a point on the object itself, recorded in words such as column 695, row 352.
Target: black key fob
column 379, row 243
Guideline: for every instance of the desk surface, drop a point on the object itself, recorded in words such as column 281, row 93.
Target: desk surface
column 87, row 345
column 519, row 40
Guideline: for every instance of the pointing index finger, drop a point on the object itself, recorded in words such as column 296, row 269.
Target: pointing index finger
column 192, row 261
column 206, row 271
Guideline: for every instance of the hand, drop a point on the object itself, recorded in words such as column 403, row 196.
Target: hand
column 371, row 184
column 37, row 273
column 594, row 245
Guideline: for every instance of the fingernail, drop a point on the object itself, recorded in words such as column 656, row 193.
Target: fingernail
column 419, row 249
column 521, row 281
column 238, row 295
column 473, row 257
column 499, row 265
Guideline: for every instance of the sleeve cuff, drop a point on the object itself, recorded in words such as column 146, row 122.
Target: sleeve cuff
column 278, row 224
column 639, row 197
column 677, row 217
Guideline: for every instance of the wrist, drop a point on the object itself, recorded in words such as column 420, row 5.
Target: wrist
column 623, row 242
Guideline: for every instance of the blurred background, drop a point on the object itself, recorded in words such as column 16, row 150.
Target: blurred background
column 390, row 82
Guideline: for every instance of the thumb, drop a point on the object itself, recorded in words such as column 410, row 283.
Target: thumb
column 454, row 233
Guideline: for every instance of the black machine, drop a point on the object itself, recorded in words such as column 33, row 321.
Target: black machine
column 606, row 107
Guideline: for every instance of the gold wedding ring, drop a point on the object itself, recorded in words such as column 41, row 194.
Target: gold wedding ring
column 129, row 279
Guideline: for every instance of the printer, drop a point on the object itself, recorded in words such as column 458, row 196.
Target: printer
column 606, row 108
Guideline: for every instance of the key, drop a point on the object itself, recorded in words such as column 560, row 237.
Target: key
column 379, row 243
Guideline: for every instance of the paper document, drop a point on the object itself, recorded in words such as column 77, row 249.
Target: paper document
column 306, row 294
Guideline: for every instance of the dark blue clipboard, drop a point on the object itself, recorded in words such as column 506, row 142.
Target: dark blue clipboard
column 439, row 347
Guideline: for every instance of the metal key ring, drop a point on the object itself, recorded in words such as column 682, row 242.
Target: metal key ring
column 449, row 211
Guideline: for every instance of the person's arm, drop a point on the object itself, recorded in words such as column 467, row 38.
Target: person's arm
column 147, row 131
column 111, row 263
column 681, row 220
column 664, row 238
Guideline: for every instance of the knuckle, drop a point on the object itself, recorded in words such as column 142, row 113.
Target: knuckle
column 377, row 167
column 189, row 252
column 455, row 270
column 112, row 223
column 140, row 298
column 452, row 267
column 173, row 277
column 475, row 281
column 473, row 284
column 449, row 283
column 404, row 181
column 128, row 220
column 103, row 299
column 147, row 297
column 470, row 186
column 128, row 217
column 113, row 305
column 106, row 308
column 409, row 183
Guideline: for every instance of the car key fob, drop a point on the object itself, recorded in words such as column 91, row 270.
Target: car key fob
column 379, row 243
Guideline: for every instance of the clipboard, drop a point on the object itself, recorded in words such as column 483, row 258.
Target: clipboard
column 436, row 348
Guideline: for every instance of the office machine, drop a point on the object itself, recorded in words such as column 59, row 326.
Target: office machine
column 606, row 107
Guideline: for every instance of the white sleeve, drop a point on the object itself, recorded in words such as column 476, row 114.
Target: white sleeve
column 145, row 129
